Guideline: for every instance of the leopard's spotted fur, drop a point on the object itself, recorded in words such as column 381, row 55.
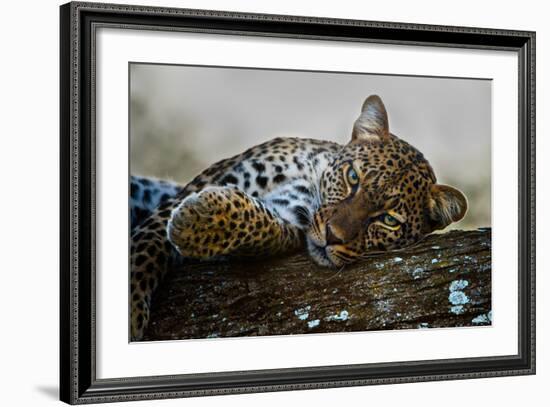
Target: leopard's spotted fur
column 341, row 202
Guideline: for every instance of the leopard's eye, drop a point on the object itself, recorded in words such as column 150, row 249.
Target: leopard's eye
column 389, row 220
column 353, row 178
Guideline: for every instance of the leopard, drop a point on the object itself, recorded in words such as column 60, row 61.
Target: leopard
column 339, row 203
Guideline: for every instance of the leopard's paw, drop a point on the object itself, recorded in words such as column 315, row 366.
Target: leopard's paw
column 216, row 221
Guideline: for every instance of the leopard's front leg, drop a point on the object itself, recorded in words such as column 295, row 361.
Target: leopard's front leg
column 215, row 222
column 225, row 221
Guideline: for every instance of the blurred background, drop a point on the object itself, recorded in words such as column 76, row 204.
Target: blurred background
column 184, row 118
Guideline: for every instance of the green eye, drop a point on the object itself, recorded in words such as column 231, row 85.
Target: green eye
column 389, row 220
column 352, row 177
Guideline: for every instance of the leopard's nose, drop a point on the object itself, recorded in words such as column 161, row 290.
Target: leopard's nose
column 332, row 237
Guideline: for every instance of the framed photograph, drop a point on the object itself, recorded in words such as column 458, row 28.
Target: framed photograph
column 256, row 203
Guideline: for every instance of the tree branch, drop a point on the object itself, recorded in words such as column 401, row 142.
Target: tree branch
column 445, row 281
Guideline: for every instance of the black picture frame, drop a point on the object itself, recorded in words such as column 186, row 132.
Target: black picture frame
column 78, row 382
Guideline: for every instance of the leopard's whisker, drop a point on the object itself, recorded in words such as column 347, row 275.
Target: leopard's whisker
column 336, row 273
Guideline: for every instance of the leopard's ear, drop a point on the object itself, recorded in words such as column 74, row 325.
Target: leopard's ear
column 372, row 124
column 445, row 205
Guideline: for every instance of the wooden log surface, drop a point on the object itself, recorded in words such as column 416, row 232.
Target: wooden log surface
column 445, row 281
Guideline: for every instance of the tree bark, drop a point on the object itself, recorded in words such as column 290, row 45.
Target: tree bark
column 445, row 281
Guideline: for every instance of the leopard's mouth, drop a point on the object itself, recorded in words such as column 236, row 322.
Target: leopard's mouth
column 319, row 254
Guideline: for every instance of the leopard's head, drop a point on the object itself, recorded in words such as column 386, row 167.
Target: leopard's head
column 379, row 194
